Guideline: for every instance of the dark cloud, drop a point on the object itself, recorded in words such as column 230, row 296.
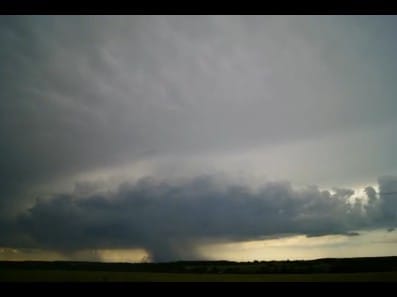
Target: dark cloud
column 371, row 193
column 388, row 195
column 170, row 219
column 80, row 93
column 330, row 233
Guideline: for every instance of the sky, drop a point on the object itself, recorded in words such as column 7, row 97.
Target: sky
column 161, row 138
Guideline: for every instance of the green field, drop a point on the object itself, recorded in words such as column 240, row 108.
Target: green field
column 114, row 276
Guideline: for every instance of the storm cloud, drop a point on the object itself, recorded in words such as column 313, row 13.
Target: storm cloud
column 170, row 219
column 100, row 100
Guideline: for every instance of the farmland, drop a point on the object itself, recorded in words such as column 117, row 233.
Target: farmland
column 383, row 269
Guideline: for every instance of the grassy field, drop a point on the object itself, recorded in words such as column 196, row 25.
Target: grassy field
column 114, row 276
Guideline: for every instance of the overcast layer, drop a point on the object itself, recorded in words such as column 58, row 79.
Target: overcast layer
column 88, row 102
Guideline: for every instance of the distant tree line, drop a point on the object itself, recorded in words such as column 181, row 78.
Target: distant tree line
column 377, row 264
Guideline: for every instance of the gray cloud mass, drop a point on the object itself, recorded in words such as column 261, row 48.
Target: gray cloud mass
column 169, row 219
column 308, row 99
